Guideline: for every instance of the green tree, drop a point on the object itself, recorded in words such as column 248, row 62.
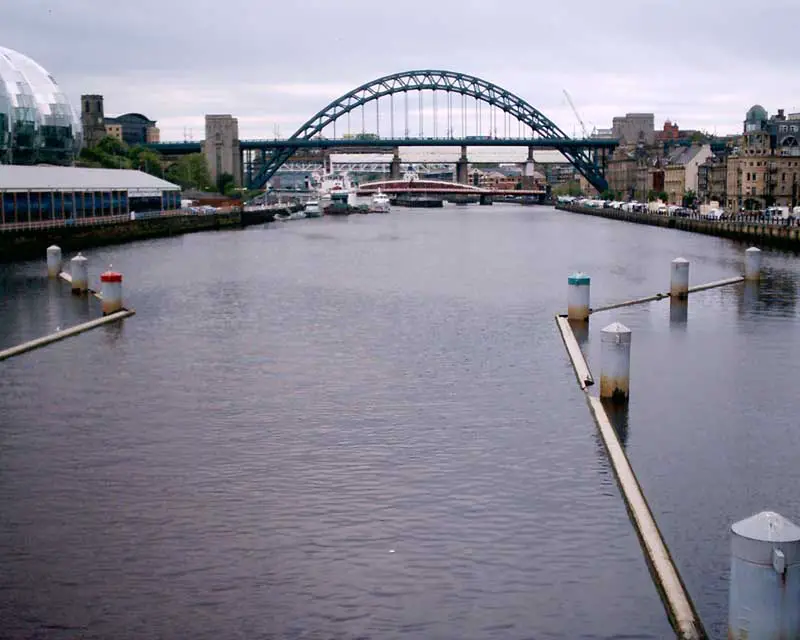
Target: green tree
column 112, row 146
column 608, row 194
column 190, row 172
column 689, row 198
column 226, row 184
column 146, row 160
column 663, row 196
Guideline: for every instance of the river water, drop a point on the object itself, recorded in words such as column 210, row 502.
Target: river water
column 368, row 427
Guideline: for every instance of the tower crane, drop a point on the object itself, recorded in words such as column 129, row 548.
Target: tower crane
column 577, row 115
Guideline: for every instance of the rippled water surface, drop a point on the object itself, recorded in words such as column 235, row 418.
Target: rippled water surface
column 368, row 428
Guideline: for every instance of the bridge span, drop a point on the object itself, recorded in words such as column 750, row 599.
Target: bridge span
column 453, row 100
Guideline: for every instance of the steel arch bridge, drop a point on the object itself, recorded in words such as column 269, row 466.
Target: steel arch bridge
column 583, row 158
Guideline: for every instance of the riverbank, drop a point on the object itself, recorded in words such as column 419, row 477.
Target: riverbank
column 31, row 244
column 782, row 236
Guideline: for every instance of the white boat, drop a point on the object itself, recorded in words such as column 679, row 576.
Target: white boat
column 296, row 215
column 312, row 209
column 380, row 203
column 339, row 184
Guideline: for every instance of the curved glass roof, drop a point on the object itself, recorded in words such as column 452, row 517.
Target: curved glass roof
column 41, row 124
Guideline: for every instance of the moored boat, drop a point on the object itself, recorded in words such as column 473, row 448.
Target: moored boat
column 312, row 209
column 380, row 203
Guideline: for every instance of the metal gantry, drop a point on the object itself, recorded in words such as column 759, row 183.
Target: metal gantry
column 482, row 91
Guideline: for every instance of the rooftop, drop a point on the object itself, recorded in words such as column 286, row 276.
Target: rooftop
column 42, row 178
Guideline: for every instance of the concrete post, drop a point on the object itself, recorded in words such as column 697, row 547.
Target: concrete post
column 54, row 261
column 679, row 278
column 79, row 269
column 462, row 168
column 578, row 296
column 752, row 264
column 615, row 360
column 764, row 597
column 111, row 291
column 394, row 165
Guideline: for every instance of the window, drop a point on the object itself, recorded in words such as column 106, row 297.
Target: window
column 107, row 203
column 68, row 204
column 47, row 206
column 9, row 208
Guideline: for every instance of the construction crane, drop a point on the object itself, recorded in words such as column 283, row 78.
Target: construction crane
column 577, row 115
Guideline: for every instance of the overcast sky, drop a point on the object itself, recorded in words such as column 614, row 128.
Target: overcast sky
column 701, row 63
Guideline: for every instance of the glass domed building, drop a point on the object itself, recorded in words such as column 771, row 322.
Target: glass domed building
column 37, row 123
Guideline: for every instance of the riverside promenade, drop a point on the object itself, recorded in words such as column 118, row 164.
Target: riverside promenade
column 783, row 234
column 29, row 242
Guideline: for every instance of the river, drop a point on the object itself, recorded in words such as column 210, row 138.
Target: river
column 368, row 427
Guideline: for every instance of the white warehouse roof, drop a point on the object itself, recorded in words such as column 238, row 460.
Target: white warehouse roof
column 46, row 178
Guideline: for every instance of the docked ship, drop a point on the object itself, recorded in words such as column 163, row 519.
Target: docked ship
column 380, row 203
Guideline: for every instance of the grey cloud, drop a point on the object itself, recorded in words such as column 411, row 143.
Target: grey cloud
column 276, row 63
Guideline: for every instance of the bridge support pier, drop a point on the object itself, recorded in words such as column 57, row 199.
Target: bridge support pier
column 394, row 166
column 528, row 170
column 462, row 168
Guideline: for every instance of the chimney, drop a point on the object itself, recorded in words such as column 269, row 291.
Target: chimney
column 780, row 115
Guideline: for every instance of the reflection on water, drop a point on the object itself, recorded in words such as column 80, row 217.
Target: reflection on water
column 678, row 313
column 580, row 328
column 618, row 416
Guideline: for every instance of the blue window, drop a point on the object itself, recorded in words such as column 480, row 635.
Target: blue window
column 107, row 203
column 47, row 206
column 9, row 208
column 98, row 204
column 22, row 206
column 164, row 200
column 124, row 201
column 69, row 208
column 35, row 207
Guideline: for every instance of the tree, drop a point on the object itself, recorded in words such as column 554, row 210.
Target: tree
column 689, row 198
column 608, row 194
column 190, row 172
column 226, row 184
column 663, row 196
column 146, row 160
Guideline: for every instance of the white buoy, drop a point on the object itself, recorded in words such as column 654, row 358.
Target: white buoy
column 54, row 261
column 578, row 296
column 615, row 361
column 764, row 596
column 111, row 291
column 679, row 278
column 752, row 264
column 79, row 269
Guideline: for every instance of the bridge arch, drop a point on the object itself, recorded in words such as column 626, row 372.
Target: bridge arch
column 436, row 80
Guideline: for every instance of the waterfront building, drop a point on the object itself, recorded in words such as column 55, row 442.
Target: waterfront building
column 634, row 128
column 681, row 170
column 68, row 195
column 221, row 147
column 764, row 170
column 712, row 180
column 37, row 122
column 130, row 128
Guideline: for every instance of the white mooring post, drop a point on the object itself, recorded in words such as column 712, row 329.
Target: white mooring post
column 54, row 261
column 752, row 264
column 615, row 361
column 578, row 296
column 764, row 597
column 111, row 291
column 679, row 278
column 79, row 269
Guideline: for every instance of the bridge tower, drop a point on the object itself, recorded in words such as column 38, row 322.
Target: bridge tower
column 221, row 147
column 528, row 170
column 462, row 168
column 394, row 166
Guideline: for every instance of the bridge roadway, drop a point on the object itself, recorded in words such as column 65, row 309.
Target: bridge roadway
column 178, row 148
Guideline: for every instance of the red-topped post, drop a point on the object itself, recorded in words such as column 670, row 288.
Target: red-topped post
column 111, row 291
